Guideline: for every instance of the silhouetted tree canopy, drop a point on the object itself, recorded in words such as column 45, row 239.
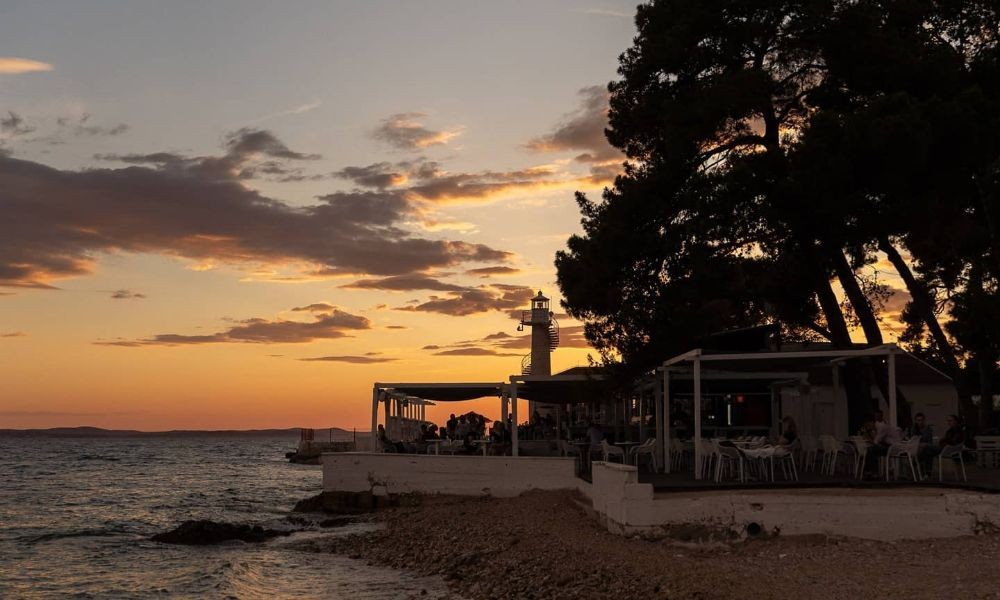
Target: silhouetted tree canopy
column 777, row 151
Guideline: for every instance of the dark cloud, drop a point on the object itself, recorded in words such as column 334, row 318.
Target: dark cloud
column 250, row 154
column 481, row 185
column 360, row 360
column 476, row 300
column 473, row 352
column 333, row 325
column 13, row 334
column 404, row 131
column 431, row 347
column 396, row 327
column 57, row 223
column 583, row 131
column 426, row 180
column 127, row 295
column 405, row 283
column 318, row 307
column 377, row 175
column 487, row 272
column 14, row 125
column 81, row 126
column 249, row 142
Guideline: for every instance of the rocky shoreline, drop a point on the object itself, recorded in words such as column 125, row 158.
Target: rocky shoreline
column 546, row 545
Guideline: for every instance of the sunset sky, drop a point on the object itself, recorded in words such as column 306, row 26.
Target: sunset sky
column 241, row 214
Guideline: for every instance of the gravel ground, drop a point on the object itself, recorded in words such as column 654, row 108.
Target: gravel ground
column 544, row 545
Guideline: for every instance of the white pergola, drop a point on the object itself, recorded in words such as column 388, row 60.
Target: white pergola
column 420, row 395
column 806, row 358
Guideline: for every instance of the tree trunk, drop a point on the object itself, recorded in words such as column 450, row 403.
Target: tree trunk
column 924, row 306
column 856, row 387
column 862, row 307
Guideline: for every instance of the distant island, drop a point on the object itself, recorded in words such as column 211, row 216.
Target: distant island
column 292, row 432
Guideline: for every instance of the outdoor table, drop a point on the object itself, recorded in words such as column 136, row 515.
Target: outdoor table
column 436, row 444
column 627, row 448
column 484, row 443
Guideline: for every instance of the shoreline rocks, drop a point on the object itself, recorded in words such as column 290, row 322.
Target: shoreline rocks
column 205, row 533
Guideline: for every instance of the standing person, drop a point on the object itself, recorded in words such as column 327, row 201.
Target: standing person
column 451, row 425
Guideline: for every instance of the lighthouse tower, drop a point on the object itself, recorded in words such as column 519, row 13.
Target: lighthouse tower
column 544, row 337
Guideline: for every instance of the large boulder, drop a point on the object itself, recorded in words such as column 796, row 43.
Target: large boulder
column 203, row 533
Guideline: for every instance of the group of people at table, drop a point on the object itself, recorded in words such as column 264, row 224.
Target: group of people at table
column 467, row 434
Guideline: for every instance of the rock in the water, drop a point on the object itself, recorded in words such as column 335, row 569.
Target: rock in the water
column 202, row 533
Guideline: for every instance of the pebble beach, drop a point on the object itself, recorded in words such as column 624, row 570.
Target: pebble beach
column 546, row 545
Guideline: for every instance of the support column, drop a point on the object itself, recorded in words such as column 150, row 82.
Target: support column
column 376, row 447
column 666, row 420
column 697, row 417
column 513, row 426
column 893, row 421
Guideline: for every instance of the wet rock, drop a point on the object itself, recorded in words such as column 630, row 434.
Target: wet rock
column 203, row 533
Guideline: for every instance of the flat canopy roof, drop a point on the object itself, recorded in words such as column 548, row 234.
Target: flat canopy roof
column 566, row 387
column 817, row 363
column 445, row 392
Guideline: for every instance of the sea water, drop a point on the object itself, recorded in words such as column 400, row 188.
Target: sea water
column 76, row 515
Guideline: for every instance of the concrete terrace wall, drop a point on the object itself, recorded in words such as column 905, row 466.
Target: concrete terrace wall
column 501, row 476
column 629, row 507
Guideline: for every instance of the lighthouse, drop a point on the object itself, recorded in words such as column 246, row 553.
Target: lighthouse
column 544, row 337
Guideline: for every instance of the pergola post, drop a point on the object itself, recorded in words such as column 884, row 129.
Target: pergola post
column 658, row 416
column 893, row 415
column 513, row 425
column 664, row 421
column 376, row 447
column 697, row 416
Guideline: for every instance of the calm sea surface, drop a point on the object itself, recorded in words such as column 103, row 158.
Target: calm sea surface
column 76, row 515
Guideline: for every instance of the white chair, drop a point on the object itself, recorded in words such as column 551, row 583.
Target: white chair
column 708, row 458
column 954, row 453
column 567, row 449
column 728, row 456
column 677, row 454
column 786, row 459
column 903, row 450
column 810, row 452
column 988, row 451
column 832, row 450
column 861, row 445
column 607, row 451
column 647, row 448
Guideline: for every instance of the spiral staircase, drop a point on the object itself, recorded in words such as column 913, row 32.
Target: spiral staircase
column 553, row 330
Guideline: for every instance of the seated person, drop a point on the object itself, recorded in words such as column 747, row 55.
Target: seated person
column 383, row 439
column 497, row 433
column 885, row 436
column 955, row 435
column 920, row 429
column 431, row 432
column 789, row 432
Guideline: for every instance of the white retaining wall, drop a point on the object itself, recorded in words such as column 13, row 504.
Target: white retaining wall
column 629, row 507
column 389, row 473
